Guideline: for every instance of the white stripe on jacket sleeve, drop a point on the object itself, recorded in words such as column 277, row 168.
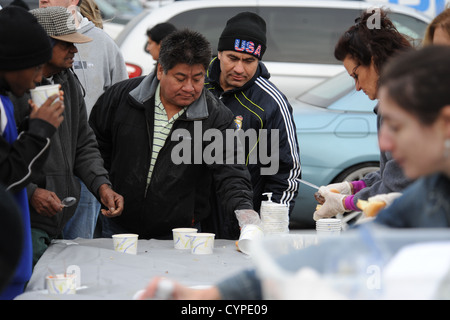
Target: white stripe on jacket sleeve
column 294, row 172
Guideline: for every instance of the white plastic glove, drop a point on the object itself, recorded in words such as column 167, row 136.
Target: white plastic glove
column 247, row 216
column 342, row 187
column 332, row 206
column 387, row 198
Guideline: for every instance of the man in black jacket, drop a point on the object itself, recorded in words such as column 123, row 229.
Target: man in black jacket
column 152, row 135
column 24, row 48
column 241, row 81
column 73, row 152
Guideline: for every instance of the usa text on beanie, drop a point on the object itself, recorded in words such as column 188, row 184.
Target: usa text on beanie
column 246, row 33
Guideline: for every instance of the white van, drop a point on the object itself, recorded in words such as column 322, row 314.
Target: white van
column 301, row 35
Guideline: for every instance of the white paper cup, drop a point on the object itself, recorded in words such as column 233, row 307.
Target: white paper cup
column 40, row 94
column 180, row 238
column 126, row 242
column 249, row 233
column 61, row 284
column 202, row 243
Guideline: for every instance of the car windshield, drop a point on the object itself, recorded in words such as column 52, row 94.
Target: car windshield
column 120, row 11
column 324, row 94
column 409, row 26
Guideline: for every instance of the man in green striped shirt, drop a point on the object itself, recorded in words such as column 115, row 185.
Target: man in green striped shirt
column 162, row 128
column 151, row 133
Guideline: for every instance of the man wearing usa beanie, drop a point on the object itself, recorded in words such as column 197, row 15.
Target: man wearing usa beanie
column 24, row 48
column 239, row 78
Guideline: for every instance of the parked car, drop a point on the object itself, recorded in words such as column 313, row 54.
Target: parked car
column 117, row 13
column 155, row 3
column 337, row 134
column 301, row 34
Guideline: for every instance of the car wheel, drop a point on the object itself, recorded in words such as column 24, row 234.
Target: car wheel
column 357, row 172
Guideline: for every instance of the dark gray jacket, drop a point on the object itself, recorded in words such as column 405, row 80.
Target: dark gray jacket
column 73, row 153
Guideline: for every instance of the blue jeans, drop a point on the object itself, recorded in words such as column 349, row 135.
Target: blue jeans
column 83, row 222
column 110, row 227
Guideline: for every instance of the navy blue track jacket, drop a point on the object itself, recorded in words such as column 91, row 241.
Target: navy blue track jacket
column 260, row 105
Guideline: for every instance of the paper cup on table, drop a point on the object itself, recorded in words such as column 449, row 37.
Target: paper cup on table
column 249, row 233
column 40, row 94
column 181, row 240
column 126, row 242
column 202, row 243
column 61, row 284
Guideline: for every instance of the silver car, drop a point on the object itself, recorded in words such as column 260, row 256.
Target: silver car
column 301, row 34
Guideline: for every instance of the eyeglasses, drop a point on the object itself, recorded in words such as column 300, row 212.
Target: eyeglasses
column 354, row 75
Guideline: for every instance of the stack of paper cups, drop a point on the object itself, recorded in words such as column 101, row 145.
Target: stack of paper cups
column 274, row 216
column 328, row 227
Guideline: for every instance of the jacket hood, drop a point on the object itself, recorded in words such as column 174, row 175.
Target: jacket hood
column 146, row 91
column 86, row 25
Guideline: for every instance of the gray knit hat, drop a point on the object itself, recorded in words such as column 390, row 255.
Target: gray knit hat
column 59, row 24
column 24, row 43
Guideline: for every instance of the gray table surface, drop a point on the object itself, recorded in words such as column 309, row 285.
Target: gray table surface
column 106, row 274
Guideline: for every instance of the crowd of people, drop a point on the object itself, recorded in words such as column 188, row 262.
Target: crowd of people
column 414, row 133
column 137, row 153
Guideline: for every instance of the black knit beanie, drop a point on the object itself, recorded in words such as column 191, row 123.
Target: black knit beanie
column 246, row 33
column 23, row 42
column 20, row 3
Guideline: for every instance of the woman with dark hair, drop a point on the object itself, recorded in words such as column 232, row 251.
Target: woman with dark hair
column 415, row 105
column 364, row 51
column 155, row 36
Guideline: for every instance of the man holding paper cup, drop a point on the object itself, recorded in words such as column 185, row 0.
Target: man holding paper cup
column 24, row 48
column 74, row 150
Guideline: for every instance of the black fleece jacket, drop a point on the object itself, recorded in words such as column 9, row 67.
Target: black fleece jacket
column 178, row 194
